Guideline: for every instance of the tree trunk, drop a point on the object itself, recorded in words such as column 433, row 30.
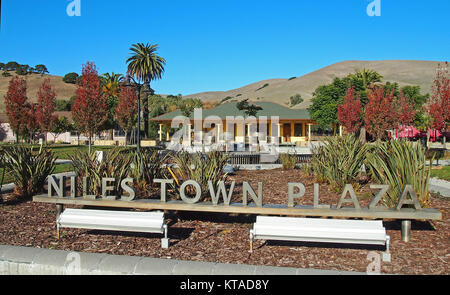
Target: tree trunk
column 145, row 114
column 90, row 139
column 111, row 134
column 362, row 134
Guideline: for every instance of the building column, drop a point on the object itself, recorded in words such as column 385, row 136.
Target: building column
column 168, row 136
column 160, row 132
column 309, row 133
column 340, row 130
column 218, row 133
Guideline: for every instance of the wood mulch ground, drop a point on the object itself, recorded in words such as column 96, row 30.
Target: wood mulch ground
column 224, row 237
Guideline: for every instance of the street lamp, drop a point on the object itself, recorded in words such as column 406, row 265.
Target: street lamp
column 138, row 86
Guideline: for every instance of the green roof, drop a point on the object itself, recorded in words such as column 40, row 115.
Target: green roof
column 229, row 109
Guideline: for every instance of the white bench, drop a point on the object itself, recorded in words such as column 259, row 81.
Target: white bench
column 147, row 222
column 321, row 230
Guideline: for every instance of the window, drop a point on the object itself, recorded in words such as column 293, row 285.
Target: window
column 298, row 129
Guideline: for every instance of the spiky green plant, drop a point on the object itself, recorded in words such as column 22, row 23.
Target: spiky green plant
column 339, row 161
column 145, row 167
column 201, row 168
column 114, row 164
column 28, row 169
column 398, row 163
column 288, row 161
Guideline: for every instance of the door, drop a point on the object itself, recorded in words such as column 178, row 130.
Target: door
column 286, row 132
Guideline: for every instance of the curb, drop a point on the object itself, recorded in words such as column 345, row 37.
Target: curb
column 16, row 260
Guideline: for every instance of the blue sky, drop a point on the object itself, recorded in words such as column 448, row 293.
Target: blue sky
column 221, row 45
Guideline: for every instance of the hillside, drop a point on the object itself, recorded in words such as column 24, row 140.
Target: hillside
column 34, row 81
column 420, row 73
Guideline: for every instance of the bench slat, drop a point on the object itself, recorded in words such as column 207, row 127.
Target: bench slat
column 293, row 222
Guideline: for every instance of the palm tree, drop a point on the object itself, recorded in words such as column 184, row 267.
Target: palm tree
column 368, row 77
column 111, row 87
column 145, row 65
column 111, row 84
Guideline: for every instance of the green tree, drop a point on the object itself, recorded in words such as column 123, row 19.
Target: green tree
column 145, row 65
column 188, row 105
column 60, row 126
column 41, row 69
column 71, row 78
column 111, row 89
column 248, row 108
column 295, row 100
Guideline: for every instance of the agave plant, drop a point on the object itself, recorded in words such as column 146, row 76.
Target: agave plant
column 339, row 161
column 29, row 170
column 145, row 167
column 399, row 163
column 201, row 168
column 114, row 164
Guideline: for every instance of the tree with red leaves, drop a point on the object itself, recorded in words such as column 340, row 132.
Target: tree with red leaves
column 349, row 112
column 89, row 109
column 440, row 100
column 17, row 106
column 46, row 107
column 405, row 111
column 379, row 112
column 126, row 110
column 31, row 123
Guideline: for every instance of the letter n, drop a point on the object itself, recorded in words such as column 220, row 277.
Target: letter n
column 52, row 184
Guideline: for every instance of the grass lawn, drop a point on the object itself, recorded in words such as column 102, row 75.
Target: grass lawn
column 63, row 151
column 442, row 173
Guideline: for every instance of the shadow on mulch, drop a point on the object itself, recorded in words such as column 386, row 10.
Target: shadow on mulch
column 210, row 217
column 415, row 225
column 324, row 245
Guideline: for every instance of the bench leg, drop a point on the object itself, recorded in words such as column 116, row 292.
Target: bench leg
column 386, row 256
column 251, row 241
column 165, row 240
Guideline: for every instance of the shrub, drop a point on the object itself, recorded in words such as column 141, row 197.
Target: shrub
column 28, row 169
column 288, row 161
column 145, row 167
column 71, row 78
column 199, row 167
column 6, row 74
column 399, row 163
column 264, row 86
column 339, row 161
column 114, row 164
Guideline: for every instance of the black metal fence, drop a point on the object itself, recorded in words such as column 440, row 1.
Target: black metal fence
column 255, row 159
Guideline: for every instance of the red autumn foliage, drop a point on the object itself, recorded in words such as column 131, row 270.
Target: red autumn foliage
column 405, row 111
column 126, row 109
column 89, row 109
column 380, row 113
column 46, row 106
column 349, row 112
column 16, row 105
column 440, row 99
column 31, row 122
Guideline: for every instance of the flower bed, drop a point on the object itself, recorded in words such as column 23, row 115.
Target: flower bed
column 224, row 237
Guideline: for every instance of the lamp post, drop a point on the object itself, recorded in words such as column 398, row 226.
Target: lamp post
column 138, row 86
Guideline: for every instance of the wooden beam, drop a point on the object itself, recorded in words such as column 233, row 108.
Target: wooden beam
column 239, row 208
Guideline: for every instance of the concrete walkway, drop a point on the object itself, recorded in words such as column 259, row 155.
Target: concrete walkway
column 16, row 260
column 440, row 186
